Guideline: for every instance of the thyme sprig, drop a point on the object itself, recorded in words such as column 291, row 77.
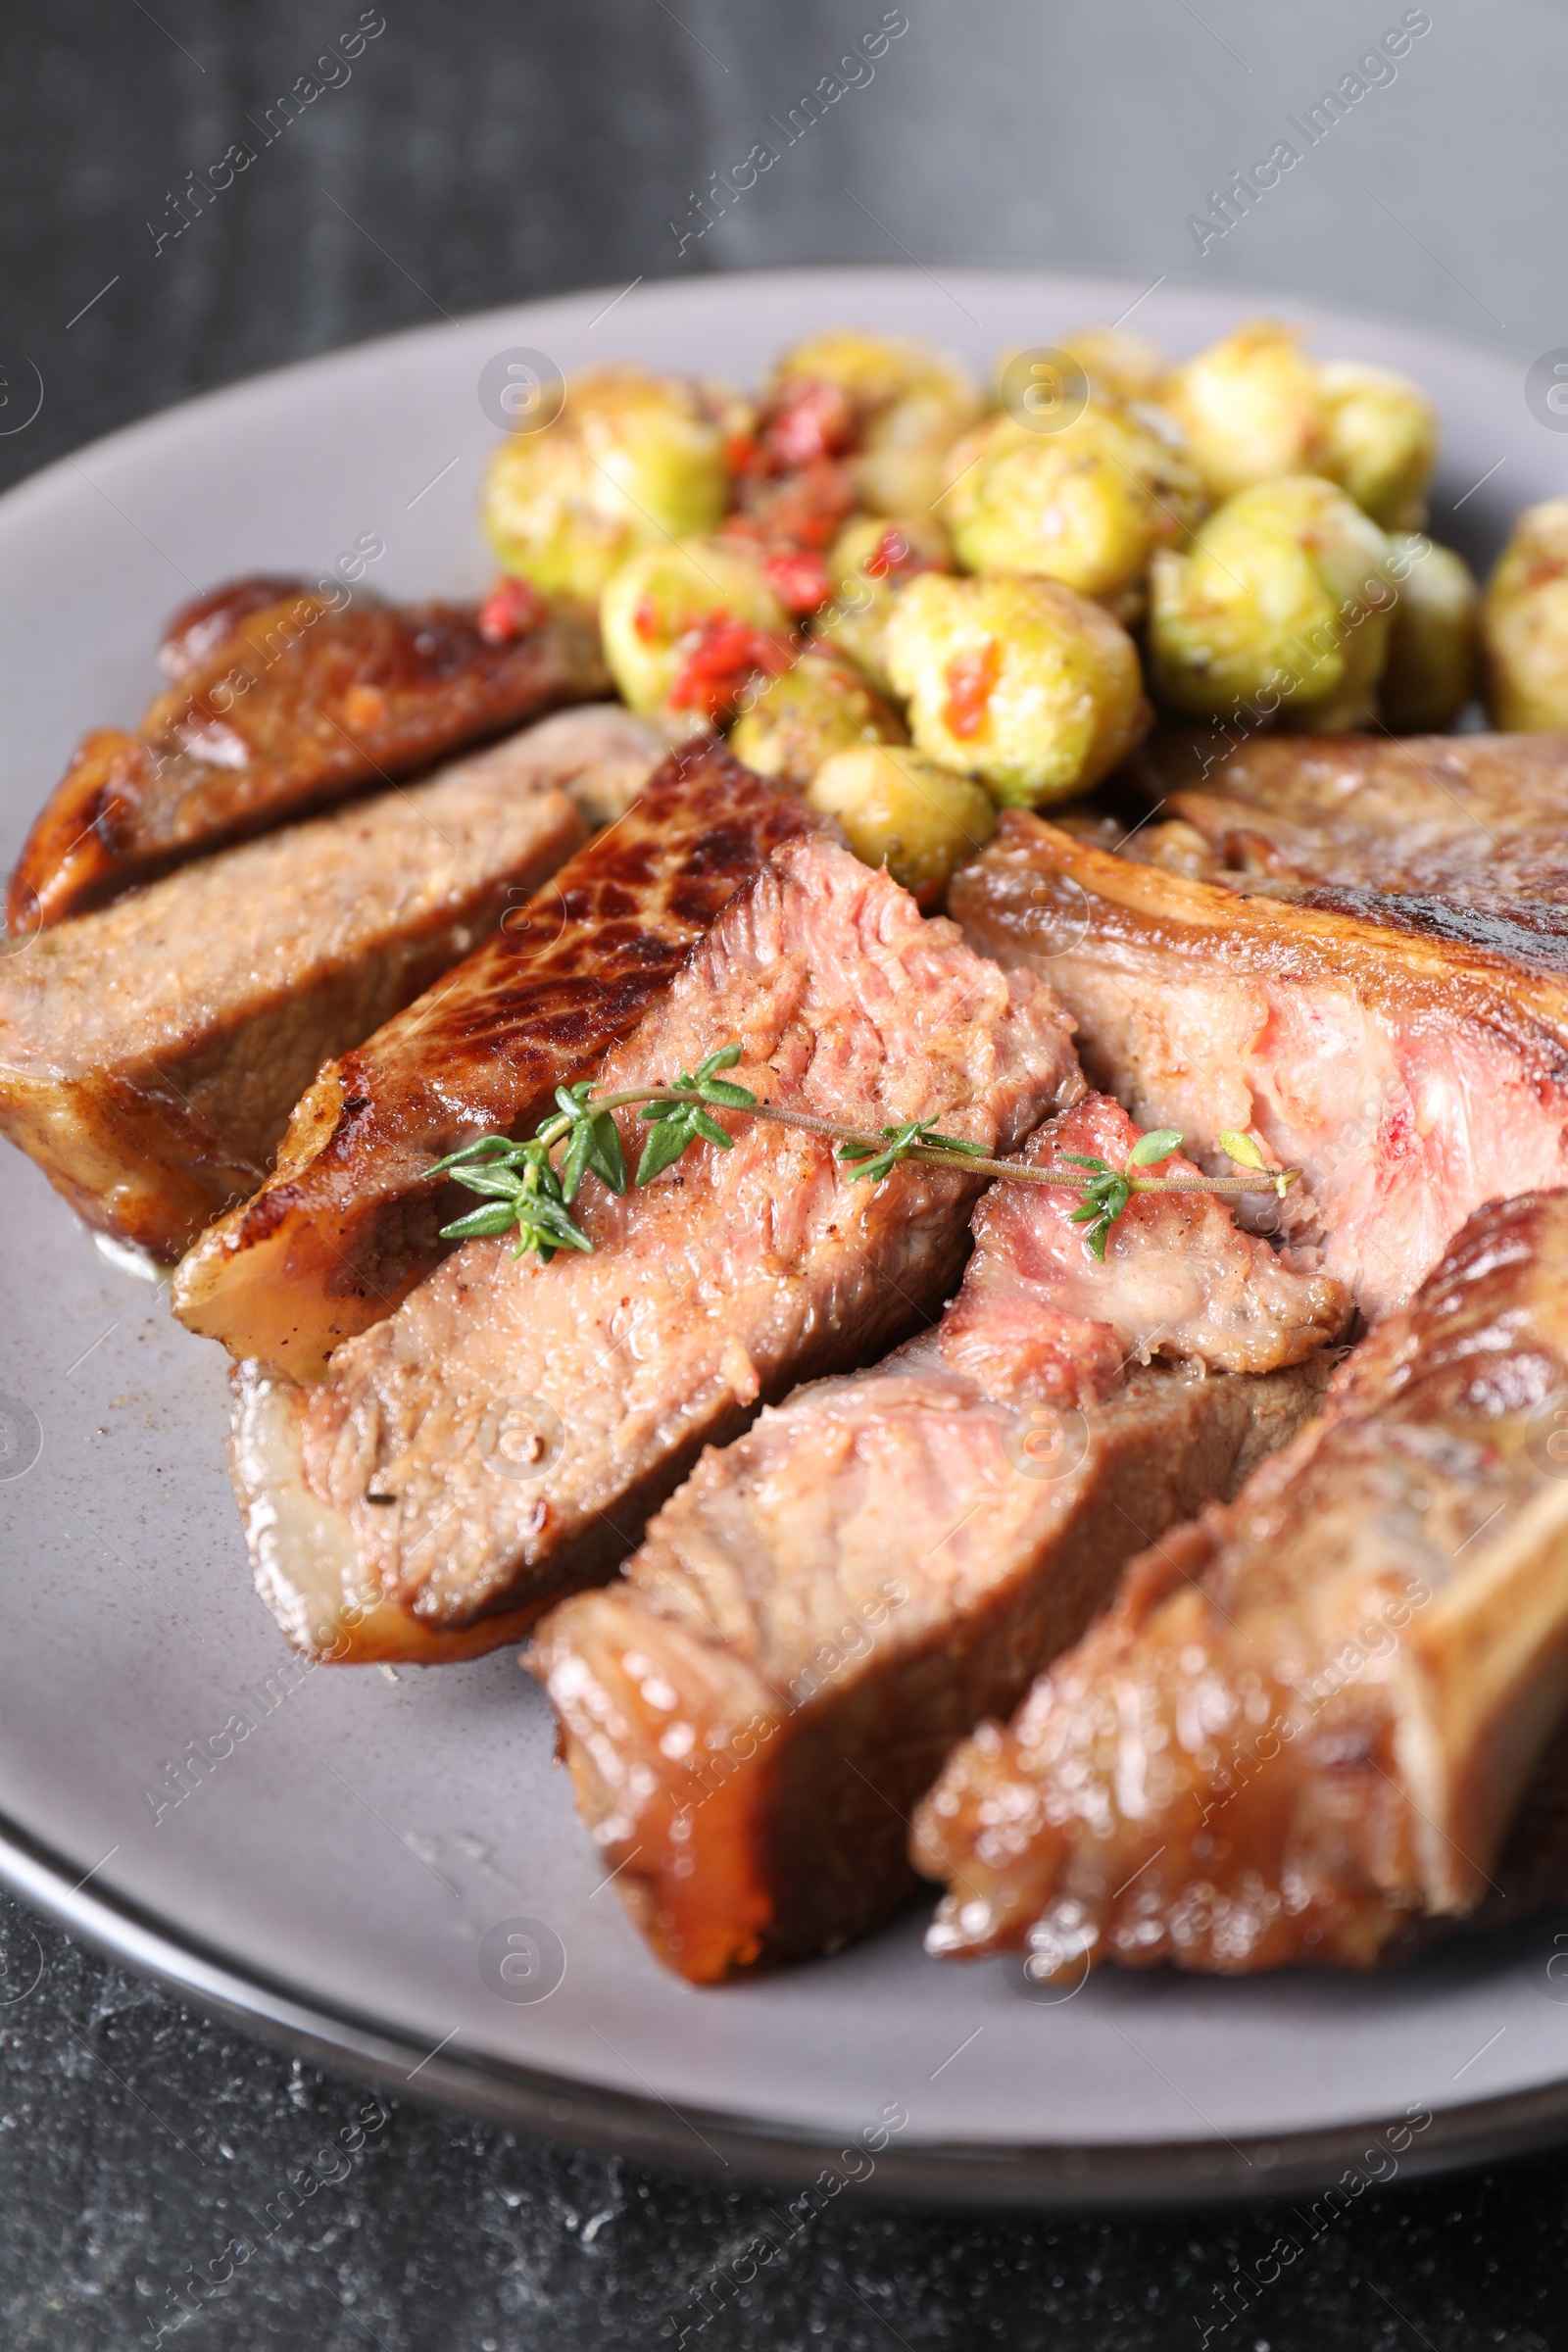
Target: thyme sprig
column 523, row 1188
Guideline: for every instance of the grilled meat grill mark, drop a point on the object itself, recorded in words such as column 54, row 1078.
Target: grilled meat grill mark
column 348, row 1224
column 712, row 1291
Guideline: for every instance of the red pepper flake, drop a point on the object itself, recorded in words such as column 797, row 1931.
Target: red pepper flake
column 645, row 620
column 812, row 421
column 798, row 579
column 511, row 608
column 741, row 451
column 808, row 508
column 725, row 653
column 970, row 678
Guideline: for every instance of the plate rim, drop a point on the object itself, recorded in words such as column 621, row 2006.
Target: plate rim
column 1310, row 307
column 712, row 2142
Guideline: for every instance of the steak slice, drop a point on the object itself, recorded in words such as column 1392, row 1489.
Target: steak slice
column 503, row 1437
column 1409, row 1078
column 1466, row 835
column 348, row 1224
column 1308, row 1722
column 297, row 704
column 830, row 1602
column 151, row 1052
column 194, row 634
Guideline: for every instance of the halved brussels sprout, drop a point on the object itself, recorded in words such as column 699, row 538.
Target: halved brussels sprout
column 1086, row 505
column 1429, row 674
column 872, row 560
column 1020, row 682
column 1283, row 603
column 631, row 461
column 685, row 625
column 1524, row 623
column 1250, row 408
column 1382, row 440
column 899, row 810
column 909, row 403
column 817, row 708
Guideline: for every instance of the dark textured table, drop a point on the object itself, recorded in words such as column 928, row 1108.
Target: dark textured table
column 161, row 2173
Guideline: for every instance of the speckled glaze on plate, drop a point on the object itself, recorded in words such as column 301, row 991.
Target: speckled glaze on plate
column 389, row 1872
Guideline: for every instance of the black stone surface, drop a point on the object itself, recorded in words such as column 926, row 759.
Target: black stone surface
column 486, row 153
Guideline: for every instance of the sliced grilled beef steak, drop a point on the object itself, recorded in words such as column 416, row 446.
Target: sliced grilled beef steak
column 1410, row 1078
column 1462, row 836
column 504, row 1436
column 151, row 1052
column 830, row 1602
column 194, row 634
column 348, row 1224
column 295, row 705
column 1309, row 1719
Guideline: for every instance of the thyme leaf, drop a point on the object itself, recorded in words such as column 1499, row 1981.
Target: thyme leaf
column 522, row 1187
column 875, row 1161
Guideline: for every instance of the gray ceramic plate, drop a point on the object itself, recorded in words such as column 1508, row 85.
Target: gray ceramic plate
column 347, row 1873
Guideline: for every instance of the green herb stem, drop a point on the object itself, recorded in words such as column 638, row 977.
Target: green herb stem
column 523, row 1188
column 955, row 1153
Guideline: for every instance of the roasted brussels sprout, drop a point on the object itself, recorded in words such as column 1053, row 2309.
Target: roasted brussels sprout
column 1020, row 682
column 1086, row 505
column 1124, row 367
column 1382, row 441
column 686, row 626
column 1524, row 623
column 906, row 403
column 899, row 810
column 1255, row 408
column 817, row 708
column 631, row 461
column 871, row 562
column 1430, row 673
column 1251, row 408
column 1282, row 604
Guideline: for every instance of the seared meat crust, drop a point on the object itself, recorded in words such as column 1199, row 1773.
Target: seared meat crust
column 194, row 634
column 348, row 1224
column 504, row 1435
column 1410, row 1078
column 1466, row 835
column 831, row 1602
column 1308, row 1720
column 297, row 704
column 151, row 1052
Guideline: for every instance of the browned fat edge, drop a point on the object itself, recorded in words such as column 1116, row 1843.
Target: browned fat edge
column 324, row 701
column 1023, row 884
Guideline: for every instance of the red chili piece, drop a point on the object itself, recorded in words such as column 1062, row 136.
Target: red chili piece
column 812, row 421
column 511, row 608
column 970, row 679
column 726, row 653
column 798, row 579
